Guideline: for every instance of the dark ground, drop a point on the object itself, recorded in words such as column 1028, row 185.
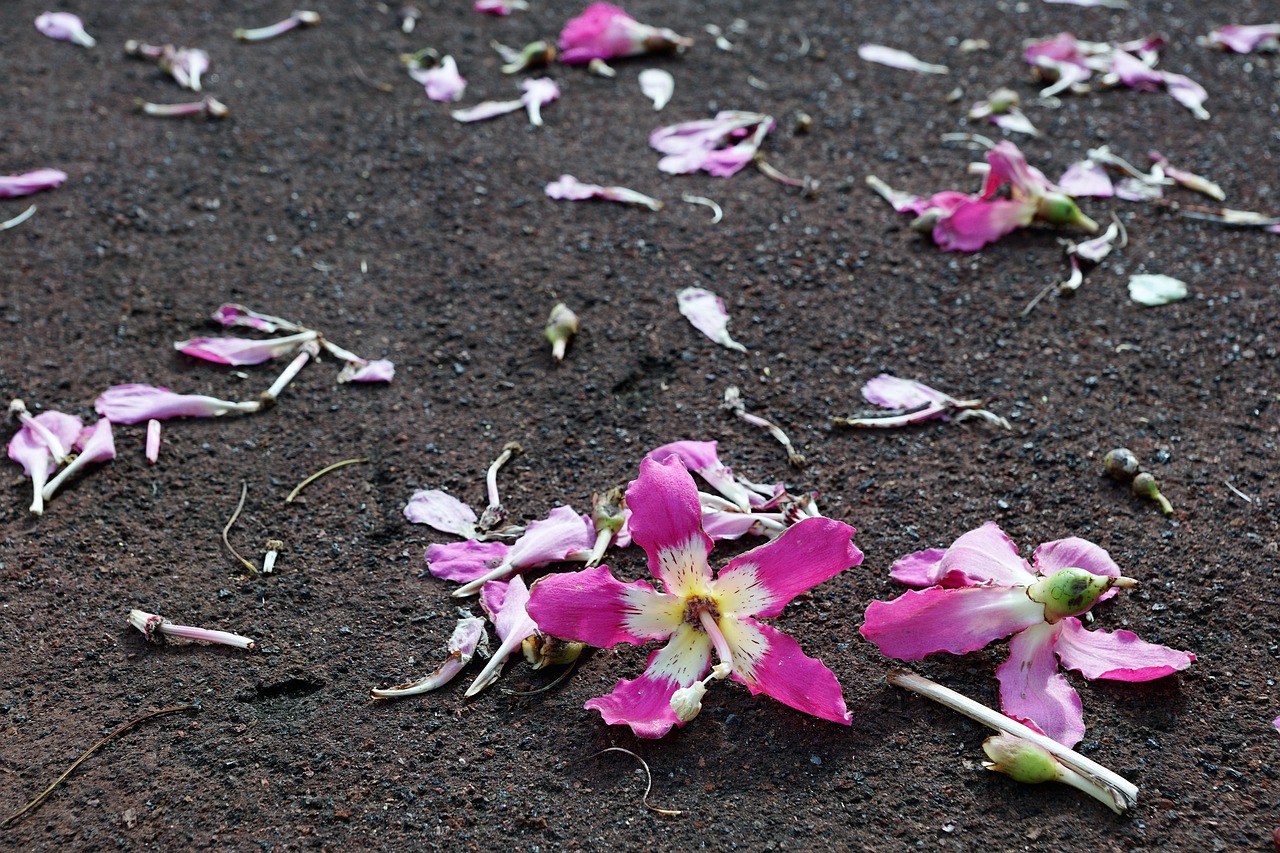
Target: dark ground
column 317, row 178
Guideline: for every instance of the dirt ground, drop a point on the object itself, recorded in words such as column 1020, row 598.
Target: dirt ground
column 402, row 233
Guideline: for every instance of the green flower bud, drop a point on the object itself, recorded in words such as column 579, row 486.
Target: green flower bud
column 1020, row 759
column 608, row 508
column 1144, row 486
column 1072, row 591
column 1061, row 209
column 562, row 325
column 543, row 650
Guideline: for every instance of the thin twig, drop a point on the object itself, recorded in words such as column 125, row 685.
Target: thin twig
column 1239, row 493
column 244, row 490
column 317, row 475
column 559, row 679
column 373, row 84
column 97, row 746
column 19, row 219
column 648, row 784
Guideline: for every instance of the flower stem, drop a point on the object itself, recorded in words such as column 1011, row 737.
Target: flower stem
column 309, row 350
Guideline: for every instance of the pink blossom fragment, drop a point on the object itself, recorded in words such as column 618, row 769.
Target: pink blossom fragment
column 546, row 541
column 153, row 441
column 891, row 392
column 64, row 26
column 466, row 637
column 131, row 404
column 900, row 59
column 569, row 188
column 241, row 351
column 443, row 82
column 1086, row 178
column 230, row 314
column 465, row 561
column 501, row 8
column 96, row 444
column 1244, row 38
column 538, row 92
column 512, row 624
column 1187, row 179
column 1090, row 4
column 603, row 31
column 377, row 370
column 40, row 446
column 720, row 146
column 707, row 313
column 442, row 511
column 12, row 186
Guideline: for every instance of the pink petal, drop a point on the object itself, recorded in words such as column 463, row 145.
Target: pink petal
column 443, row 82
column 1032, row 689
column 238, row 351
column 695, row 145
column 727, row 524
column 64, row 26
column 1052, row 557
column 569, row 188
column 921, row 622
column 487, row 110
column 1187, row 92
column 96, row 443
column 27, row 183
column 900, row 59
column 1009, row 166
column 762, row 581
column 512, row 619
column 707, row 313
column 1135, row 73
column 602, row 31
column 442, row 511
column 974, row 224
column 1242, row 38
column 894, row 393
column 465, row 561
column 1086, row 178
column 230, row 314
column 378, row 370
column 644, row 703
column 29, row 449
column 131, row 404
column 986, row 555
column 1276, row 723
column 1118, row 655
column 922, row 569
column 551, row 539
column 768, row 661
column 153, row 441
column 666, row 521
column 594, row 607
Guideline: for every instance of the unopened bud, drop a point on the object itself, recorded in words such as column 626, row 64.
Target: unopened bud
column 1072, row 591
column 543, row 650
column 562, row 325
column 1120, row 464
column 1144, row 486
column 1061, row 209
column 537, row 54
column 687, row 701
column 608, row 509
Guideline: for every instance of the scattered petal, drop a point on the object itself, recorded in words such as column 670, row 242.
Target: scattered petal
column 604, row 31
column 1034, row 692
column 64, row 26
column 895, row 58
column 378, row 370
column 12, row 186
column 1086, row 178
column 441, row 511
column 131, row 404
column 443, row 82
column 241, row 351
column 1156, row 289
column 721, row 146
column 462, row 645
column 568, row 187
column 658, row 86
column 1242, row 38
column 707, row 313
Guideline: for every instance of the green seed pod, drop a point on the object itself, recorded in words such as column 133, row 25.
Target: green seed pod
column 1144, row 486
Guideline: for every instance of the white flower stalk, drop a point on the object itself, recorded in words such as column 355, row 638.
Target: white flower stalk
column 293, row 22
column 156, row 628
column 494, row 515
column 309, row 350
column 733, row 402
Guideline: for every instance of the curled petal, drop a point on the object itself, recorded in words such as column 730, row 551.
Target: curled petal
column 442, row 511
column 770, row 662
column 487, row 110
column 238, row 351
column 974, row 224
column 569, row 188
column 33, row 452
column 1086, row 178
column 1033, row 691
column 64, row 26
column 658, row 86
column 666, row 523
column 644, row 703
column 551, row 539
column 700, row 458
column 27, row 183
column 921, row 622
column 538, row 93
column 762, row 581
column 443, row 82
column 513, row 625
column 707, row 313
column 461, row 647
column 900, row 59
column 894, row 393
column 131, row 404
column 1009, row 166
column 594, row 607
column 1117, row 655
column 378, row 370
column 465, row 561
column 986, row 555
column 923, row 569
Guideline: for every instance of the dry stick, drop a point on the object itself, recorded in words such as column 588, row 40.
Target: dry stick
column 244, row 490
column 648, row 784
column 97, row 746
column 317, row 475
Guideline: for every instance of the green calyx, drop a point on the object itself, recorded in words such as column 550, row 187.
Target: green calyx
column 1072, row 591
column 1021, row 760
column 1061, row 209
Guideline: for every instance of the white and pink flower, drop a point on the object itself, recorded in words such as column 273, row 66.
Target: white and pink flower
column 603, row 31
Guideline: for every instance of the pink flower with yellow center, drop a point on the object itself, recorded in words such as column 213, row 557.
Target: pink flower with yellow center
column 699, row 613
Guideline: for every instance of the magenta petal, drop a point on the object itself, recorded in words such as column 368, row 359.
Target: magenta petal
column 465, row 561
column 27, row 183
column 922, row 569
column 1118, row 655
column 1009, row 166
column 96, row 443
column 644, row 703
column 974, row 224
column 780, row 669
column 238, row 351
column 700, row 457
column 594, row 607
column 894, row 393
column 551, row 539
column 602, row 31
column 130, row 404
column 1244, row 38
column 1032, row 689
column 921, row 622
column 442, row 511
column 666, row 521
column 1187, row 92
column 986, row 555
column 762, row 581
column 442, row 83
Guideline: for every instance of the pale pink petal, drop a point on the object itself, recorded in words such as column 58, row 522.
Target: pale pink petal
column 378, row 370
column 594, row 607
column 1243, row 38
column 513, row 626
column 12, row 186
column 153, row 441
column 922, row 569
column 1009, row 166
column 1118, row 655
column 442, row 511
column 986, row 555
column 486, row 110
column 644, row 703
column 1132, row 189
column 921, row 622
column 569, row 188
column 1086, row 178
column 465, row 561
column 707, row 313
column 658, row 86
column 721, row 145
column 666, row 522
column 551, row 539
column 894, row 393
column 770, row 662
column 1052, row 557
column 131, row 404
column 895, row 58
column 238, row 351
column 501, row 8
column 33, row 453
column 728, row 524
column 763, row 580
column 974, row 224
column 538, row 92
column 64, row 26
column 462, row 644
column 443, row 82
column 1187, row 92
column 700, row 458
column 1032, row 689
column 1276, row 723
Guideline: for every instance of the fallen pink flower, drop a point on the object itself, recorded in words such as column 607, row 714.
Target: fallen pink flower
column 96, row 444
column 64, row 26
column 899, row 59
column 538, row 93
column 131, row 404
column 604, row 31
column 461, row 647
column 914, row 402
column 720, row 146
column 378, row 370
column 569, row 188
column 505, row 603
column 153, row 441
column 980, row 590
column 699, row 614
column 240, row 351
column 544, row 542
column 293, row 22
column 155, row 628
column 185, row 65
column 12, row 186
column 443, row 82
column 41, row 445
column 707, row 313
column 501, row 8
column 1244, row 38
column 1061, row 60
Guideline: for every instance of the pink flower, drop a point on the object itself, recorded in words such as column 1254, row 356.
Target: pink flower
column 696, row 612
column 442, row 83
column 980, row 590
column 131, row 404
column 720, row 146
column 505, row 603
column 569, row 188
column 1243, row 38
column 12, row 186
column 604, row 31
column 41, row 445
column 64, row 26
column 96, row 444
column 238, row 351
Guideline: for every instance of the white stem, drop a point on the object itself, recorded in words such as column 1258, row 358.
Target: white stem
column 308, row 350
column 472, row 587
column 72, row 467
column 224, row 638
column 38, row 478
column 442, row 676
column 493, row 668
column 603, row 537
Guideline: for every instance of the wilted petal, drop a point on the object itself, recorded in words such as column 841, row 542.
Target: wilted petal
column 551, row 539
column 378, row 370
column 770, row 662
column 12, row 186
column 513, row 625
column 230, row 314
column 461, row 647
column 658, row 86
column 131, row 404
column 64, row 26
column 921, row 622
column 1086, row 178
column 1032, row 689
column 501, row 8
column 239, row 351
column 1008, row 165
column 538, row 93
column 30, row 450
column 644, row 703
column 569, row 188
column 722, row 145
column 895, row 58
column 487, row 110
column 1116, row 655
column 762, row 581
column 443, row 82
column 465, row 561
column 442, row 511
column 707, row 313
column 700, row 458
column 1242, row 38
column 986, row 555
column 594, row 607
column 1187, row 92
column 974, row 224
column 894, row 393
column 1156, row 289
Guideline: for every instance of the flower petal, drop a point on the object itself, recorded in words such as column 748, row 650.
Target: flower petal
column 707, row 313
column 658, row 86
column 921, row 569
column 130, row 404
column 486, row 110
column 891, row 392
column 974, row 224
column 666, row 521
column 443, row 82
column 770, row 662
column 238, row 351
column 27, row 183
column 986, row 555
column 1032, row 689
column 644, row 703
column 1116, row 655
column 378, row 370
column 465, row 561
column 1086, row 178
column 594, row 607
column 921, row 622
column 550, row 539
column 442, row 511
column 1152, row 290
column 900, row 59
column 762, row 581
